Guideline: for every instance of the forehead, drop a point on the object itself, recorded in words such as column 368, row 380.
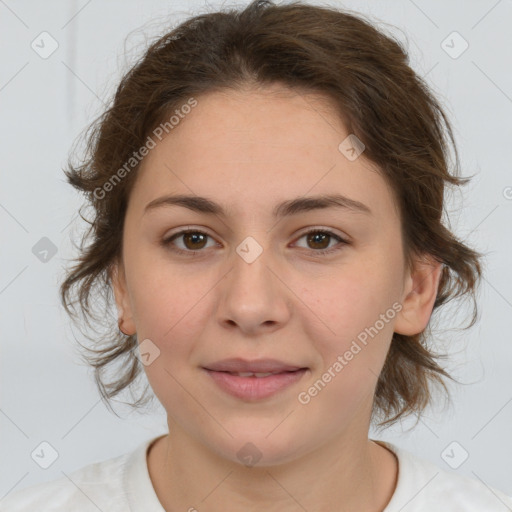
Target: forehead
column 251, row 149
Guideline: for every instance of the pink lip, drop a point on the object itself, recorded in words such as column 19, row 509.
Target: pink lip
column 255, row 388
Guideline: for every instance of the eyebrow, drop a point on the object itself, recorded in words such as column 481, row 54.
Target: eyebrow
column 285, row 209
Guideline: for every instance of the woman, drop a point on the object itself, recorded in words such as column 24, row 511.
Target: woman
column 267, row 191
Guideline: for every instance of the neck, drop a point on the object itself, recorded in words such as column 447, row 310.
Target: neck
column 347, row 474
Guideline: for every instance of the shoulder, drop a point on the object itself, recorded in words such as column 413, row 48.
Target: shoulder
column 98, row 486
column 423, row 486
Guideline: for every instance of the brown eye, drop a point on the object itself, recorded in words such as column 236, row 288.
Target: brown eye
column 193, row 241
column 319, row 240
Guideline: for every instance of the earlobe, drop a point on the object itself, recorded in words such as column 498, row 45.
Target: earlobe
column 125, row 319
column 419, row 297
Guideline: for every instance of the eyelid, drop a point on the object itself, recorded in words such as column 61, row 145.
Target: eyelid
column 314, row 228
column 184, row 229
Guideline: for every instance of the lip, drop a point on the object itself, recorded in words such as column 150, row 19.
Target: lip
column 254, row 388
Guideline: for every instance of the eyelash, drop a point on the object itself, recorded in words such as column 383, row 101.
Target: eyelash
column 168, row 242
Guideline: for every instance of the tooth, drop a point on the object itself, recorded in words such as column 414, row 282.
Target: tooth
column 251, row 374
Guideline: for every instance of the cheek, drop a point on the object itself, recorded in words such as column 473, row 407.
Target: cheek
column 165, row 297
column 173, row 326
column 171, row 313
column 349, row 300
column 353, row 340
column 351, row 308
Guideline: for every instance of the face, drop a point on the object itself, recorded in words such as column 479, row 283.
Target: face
column 299, row 288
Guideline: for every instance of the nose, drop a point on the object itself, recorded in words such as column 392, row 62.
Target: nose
column 254, row 296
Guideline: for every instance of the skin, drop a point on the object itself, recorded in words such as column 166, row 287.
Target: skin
column 249, row 150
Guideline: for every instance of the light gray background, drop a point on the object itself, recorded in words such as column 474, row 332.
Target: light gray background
column 46, row 395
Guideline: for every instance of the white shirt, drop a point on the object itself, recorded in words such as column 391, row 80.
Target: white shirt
column 122, row 484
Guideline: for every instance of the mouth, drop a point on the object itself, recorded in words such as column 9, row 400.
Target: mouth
column 252, row 385
column 257, row 366
column 257, row 375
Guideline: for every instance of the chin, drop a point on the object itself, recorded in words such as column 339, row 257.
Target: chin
column 259, row 449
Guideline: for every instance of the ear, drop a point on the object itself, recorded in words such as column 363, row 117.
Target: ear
column 124, row 309
column 419, row 295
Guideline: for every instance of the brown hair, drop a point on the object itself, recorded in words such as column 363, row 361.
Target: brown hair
column 308, row 48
